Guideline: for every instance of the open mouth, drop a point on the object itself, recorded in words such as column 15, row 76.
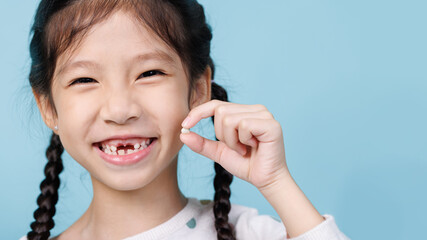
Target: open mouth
column 124, row 147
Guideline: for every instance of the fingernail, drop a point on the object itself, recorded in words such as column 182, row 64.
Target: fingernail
column 185, row 122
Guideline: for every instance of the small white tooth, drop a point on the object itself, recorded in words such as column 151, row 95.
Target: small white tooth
column 136, row 146
column 185, row 130
column 114, row 153
column 113, row 148
column 103, row 146
column 129, row 151
column 108, row 147
column 121, row 152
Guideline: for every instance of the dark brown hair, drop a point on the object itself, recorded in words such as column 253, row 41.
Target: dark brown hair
column 58, row 27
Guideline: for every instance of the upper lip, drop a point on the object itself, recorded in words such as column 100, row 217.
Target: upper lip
column 121, row 137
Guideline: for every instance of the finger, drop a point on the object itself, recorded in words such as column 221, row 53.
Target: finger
column 224, row 111
column 262, row 130
column 200, row 112
column 231, row 139
column 220, row 109
column 218, row 152
column 245, row 135
column 230, row 127
column 215, row 107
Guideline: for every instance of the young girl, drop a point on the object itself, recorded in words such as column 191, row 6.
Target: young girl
column 120, row 82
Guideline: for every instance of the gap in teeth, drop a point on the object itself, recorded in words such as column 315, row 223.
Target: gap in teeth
column 125, row 149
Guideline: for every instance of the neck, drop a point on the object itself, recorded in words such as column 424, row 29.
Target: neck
column 115, row 214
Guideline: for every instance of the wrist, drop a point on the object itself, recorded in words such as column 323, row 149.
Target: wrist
column 280, row 182
column 294, row 208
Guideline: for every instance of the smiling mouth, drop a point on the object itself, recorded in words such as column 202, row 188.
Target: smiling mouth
column 124, row 147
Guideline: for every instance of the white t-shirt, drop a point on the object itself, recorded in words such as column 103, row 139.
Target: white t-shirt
column 196, row 221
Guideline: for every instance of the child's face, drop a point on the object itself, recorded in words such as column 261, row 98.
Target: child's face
column 116, row 100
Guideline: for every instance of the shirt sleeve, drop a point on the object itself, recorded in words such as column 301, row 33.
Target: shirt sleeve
column 250, row 225
column 327, row 229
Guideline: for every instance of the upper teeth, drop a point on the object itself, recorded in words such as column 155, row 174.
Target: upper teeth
column 112, row 150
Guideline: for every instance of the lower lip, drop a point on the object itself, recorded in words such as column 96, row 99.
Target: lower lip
column 127, row 159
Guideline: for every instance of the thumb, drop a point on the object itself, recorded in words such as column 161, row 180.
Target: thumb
column 218, row 151
column 201, row 145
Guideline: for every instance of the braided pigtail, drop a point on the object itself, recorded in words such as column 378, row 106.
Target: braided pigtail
column 222, row 182
column 49, row 192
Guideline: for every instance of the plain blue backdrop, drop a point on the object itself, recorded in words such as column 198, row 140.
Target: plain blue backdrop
column 347, row 80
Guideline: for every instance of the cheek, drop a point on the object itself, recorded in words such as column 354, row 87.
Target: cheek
column 171, row 106
column 76, row 111
column 74, row 120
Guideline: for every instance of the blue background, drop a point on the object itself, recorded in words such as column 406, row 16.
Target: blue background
column 346, row 79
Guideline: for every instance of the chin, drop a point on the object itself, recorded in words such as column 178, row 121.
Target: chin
column 125, row 181
column 127, row 187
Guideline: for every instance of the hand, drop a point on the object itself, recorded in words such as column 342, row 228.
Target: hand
column 250, row 142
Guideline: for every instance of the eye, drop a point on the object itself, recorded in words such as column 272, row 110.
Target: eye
column 151, row 73
column 83, row 80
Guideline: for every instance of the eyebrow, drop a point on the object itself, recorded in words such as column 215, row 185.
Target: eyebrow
column 156, row 55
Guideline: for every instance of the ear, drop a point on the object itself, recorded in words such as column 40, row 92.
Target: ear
column 202, row 90
column 46, row 111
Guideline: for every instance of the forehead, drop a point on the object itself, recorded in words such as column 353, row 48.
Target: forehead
column 120, row 37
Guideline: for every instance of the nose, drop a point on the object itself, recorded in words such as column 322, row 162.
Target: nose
column 120, row 107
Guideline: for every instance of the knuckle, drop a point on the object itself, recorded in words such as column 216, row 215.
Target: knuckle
column 244, row 124
column 218, row 102
column 227, row 121
column 269, row 115
column 221, row 109
column 260, row 106
column 276, row 124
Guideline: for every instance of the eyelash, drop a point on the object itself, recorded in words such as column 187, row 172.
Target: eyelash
column 82, row 80
column 144, row 74
column 151, row 73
